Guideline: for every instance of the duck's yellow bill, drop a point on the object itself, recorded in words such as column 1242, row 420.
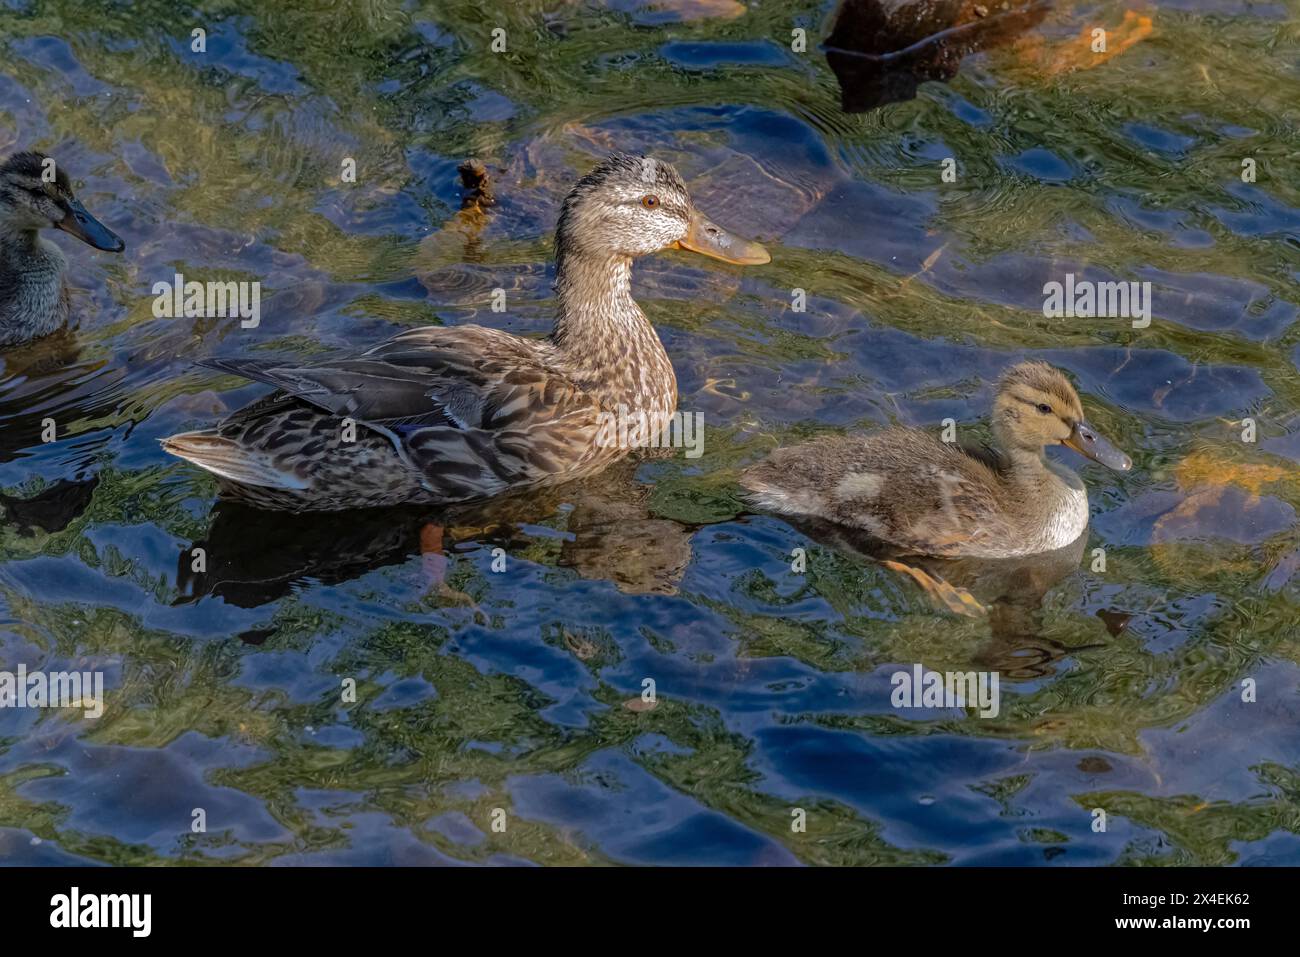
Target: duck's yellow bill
column 1087, row 442
column 709, row 239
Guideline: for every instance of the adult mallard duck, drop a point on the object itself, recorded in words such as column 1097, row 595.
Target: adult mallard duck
column 441, row 415
column 35, row 194
column 908, row 489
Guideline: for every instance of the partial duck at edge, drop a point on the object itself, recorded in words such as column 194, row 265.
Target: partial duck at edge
column 35, row 194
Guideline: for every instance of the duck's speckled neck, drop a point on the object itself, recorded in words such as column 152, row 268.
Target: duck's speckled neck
column 609, row 346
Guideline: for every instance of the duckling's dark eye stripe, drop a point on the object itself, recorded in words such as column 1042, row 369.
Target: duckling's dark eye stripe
column 1034, row 404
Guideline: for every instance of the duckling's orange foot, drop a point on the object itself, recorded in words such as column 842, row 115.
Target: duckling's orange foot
column 956, row 600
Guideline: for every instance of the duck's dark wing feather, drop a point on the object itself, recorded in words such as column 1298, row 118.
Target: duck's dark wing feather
column 372, row 391
column 988, row 454
column 461, row 378
column 478, row 405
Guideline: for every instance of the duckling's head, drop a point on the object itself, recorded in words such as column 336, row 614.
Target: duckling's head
column 632, row 206
column 35, row 194
column 1036, row 406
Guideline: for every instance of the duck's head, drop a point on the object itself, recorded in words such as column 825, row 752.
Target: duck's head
column 632, row 206
column 1036, row 406
column 35, row 194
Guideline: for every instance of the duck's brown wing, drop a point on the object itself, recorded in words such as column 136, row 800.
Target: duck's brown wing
column 943, row 508
column 901, row 486
column 456, row 376
column 475, row 410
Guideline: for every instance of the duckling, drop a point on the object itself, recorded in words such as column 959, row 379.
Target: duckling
column 442, row 415
column 33, row 284
column 908, row 489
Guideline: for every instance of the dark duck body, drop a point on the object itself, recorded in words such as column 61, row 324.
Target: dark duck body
column 443, row 415
column 36, row 194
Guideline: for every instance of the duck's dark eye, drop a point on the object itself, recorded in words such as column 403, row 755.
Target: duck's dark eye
column 650, row 202
column 1044, row 408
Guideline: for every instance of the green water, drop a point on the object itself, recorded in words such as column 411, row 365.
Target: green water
column 480, row 690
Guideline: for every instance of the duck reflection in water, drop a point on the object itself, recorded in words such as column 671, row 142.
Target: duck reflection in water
column 47, row 384
column 49, row 379
column 1008, row 591
column 607, row 533
column 50, row 510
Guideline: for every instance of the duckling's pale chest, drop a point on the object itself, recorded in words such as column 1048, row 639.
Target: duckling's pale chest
column 1067, row 516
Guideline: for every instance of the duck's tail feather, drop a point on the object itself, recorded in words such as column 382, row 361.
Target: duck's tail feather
column 258, row 370
column 230, row 460
column 773, row 486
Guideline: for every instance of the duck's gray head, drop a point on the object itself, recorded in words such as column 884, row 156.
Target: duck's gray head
column 631, row 206
column 35, row 194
